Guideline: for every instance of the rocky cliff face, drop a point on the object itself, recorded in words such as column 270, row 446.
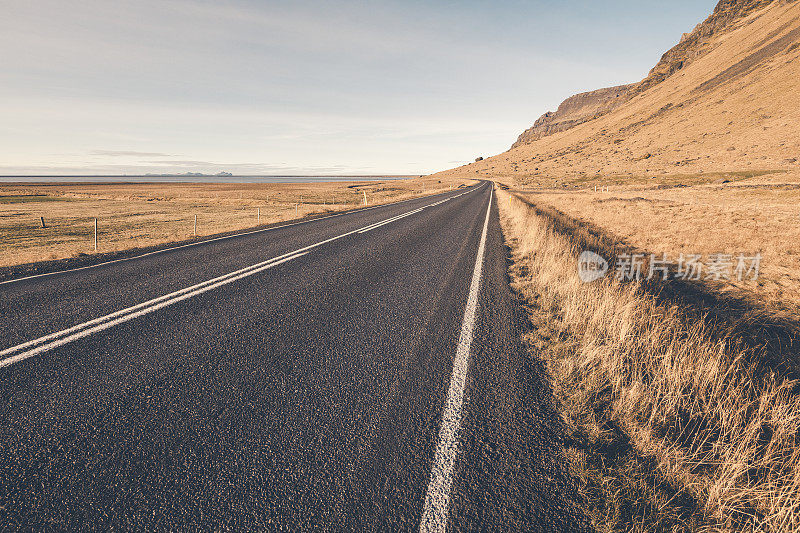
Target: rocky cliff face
column 576, row 110
column 697, row 43
column 587, row 106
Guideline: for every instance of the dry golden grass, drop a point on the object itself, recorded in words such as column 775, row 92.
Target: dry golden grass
column 677, row 423
column 146, row 214
column 749, row 215
column 682, row 398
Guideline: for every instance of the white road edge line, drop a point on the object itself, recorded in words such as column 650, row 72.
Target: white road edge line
column 154, row 252
column 59, row 338
column 437, row 499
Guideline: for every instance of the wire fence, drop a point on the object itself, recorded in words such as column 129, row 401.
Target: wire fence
column 53, row 228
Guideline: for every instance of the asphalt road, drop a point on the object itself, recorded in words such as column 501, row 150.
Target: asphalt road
column 359, row 372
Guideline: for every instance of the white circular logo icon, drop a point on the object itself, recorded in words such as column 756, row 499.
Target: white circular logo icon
column 591, row 267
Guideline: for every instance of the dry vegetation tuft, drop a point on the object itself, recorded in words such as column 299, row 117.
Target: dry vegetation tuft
column 679, row 420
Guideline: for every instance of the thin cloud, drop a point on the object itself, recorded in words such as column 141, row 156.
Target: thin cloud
column 189, row 163
column 320, row 86
column 128, row 153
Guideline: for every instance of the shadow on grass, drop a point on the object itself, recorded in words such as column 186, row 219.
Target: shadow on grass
column 738, row 319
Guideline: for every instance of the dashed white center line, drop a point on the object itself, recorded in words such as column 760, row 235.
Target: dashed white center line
column 437, row 499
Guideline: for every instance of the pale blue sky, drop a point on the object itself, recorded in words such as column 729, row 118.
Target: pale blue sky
column 304, row 87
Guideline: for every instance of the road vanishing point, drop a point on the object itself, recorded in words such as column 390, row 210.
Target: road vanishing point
column 362, row 371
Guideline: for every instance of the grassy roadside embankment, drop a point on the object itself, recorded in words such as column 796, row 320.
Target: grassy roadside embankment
column 139, row 215
column 681, row 418
column 698, row 215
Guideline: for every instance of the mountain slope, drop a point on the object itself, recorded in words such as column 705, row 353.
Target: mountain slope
column 727, row 98
column 577, row 110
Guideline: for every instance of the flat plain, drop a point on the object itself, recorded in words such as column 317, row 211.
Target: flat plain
column 135, row 215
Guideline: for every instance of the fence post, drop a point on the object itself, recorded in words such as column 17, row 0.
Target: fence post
column 295, row 209
column 365, row 197
column 259, row 216
column 195, row 225
column 42, row 219
column 95, row 234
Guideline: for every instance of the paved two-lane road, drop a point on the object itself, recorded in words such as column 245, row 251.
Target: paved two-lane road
column 362, row 371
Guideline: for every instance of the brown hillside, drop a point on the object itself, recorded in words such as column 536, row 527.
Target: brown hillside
column 727, row 98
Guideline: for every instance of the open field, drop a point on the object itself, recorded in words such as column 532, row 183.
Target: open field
column 749, row 215
column 681, row 405
column 144, row 214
